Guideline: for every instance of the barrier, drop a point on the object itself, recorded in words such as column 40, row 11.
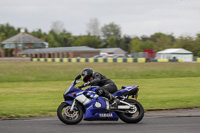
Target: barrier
column 90, row 60
column 166, row 60
column 198, row 59
column 163, row 60
column 106, row 60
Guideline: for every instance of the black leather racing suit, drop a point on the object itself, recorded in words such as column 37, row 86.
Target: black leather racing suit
column 107, row 86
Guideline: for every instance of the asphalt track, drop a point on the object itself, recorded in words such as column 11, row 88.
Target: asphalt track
column 176, row 121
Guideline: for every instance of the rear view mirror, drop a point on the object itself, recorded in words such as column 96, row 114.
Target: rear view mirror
column 78, row 77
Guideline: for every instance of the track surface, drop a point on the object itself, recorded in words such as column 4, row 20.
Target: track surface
column 177, row 121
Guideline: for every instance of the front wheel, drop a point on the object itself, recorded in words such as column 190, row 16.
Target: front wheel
column 133, row 115
column 67, row 116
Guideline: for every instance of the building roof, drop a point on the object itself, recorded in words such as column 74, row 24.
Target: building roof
column 174, row 51
column 112, row 50
column 22, row 38
column 59, row 49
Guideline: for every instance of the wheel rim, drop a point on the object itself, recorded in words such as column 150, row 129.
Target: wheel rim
column 70, row 115
column 134, row 112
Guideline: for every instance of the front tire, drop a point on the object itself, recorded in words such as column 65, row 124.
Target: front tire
column 67, row 117
column 133, row 116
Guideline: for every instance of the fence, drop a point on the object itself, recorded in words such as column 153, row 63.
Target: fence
column 99, row 60
column 108, row 60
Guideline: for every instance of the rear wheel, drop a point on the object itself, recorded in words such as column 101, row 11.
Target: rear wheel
column 133, row 115
column 67, row 116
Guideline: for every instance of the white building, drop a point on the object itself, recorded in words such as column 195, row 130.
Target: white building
column 175, row 53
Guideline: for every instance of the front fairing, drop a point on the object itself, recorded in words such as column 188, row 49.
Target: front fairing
column 68, row 94
column 71, row 87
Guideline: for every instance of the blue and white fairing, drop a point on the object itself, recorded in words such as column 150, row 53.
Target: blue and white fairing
column 127, row 90
column 68, row 94
column 95, row 106
column 95, row 109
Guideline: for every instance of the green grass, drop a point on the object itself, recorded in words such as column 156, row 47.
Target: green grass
column 35, row 71
column 35, row 89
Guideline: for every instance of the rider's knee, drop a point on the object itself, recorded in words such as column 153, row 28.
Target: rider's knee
column 100, row 91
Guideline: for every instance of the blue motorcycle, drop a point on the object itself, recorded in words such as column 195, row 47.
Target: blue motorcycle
column 86, row 103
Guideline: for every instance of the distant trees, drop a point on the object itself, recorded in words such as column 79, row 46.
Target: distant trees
column 124, row 43
column 197, row 42
column 91, row 41
column 63, row 39
column 161, row 41
column 111, row 35
column 110, row 30
column 93, row 27
column 57, row 26
column 107, row 36
column 189, row 43
column 7, row 31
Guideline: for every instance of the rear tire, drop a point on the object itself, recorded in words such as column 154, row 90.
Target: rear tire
column 67, row 117
column 130, row 117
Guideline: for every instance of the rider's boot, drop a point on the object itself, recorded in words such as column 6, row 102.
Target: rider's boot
column 114, row 101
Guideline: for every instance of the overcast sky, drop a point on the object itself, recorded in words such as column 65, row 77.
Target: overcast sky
column 135, row 17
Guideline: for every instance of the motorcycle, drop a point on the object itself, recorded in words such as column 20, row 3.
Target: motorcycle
column 86, row 103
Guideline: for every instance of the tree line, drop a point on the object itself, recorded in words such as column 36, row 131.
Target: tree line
column 108, row 36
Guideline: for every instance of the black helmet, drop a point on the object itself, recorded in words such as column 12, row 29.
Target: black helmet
column 87, row 73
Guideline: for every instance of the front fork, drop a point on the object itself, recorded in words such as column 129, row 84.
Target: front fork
column 73, row 104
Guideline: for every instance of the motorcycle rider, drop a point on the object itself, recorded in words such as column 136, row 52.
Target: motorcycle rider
column 107, row 86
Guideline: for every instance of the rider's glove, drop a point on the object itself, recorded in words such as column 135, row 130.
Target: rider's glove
column 86, row 84
column 79, row 87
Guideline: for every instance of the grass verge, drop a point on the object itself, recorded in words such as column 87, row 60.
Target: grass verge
column 28, row 99
column 45, row 71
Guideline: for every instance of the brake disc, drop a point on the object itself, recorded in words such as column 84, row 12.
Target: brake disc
column 69, row 113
